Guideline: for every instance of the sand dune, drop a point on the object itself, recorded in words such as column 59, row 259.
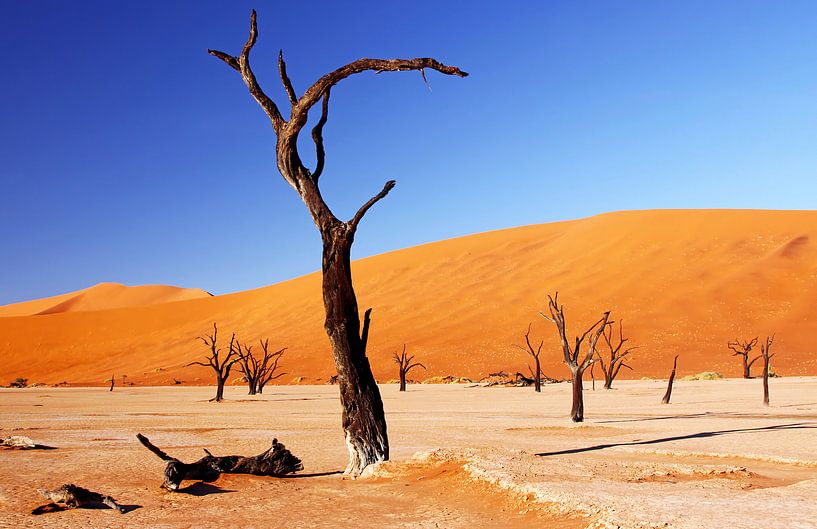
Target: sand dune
column 683, row 281
column 101, row 297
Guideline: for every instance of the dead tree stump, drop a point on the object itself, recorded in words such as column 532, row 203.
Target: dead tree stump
column 668, row 393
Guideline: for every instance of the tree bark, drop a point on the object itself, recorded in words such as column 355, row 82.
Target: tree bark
column 363, row 420
column 219, row 390
column 537, row 383
column 577, row 410
column 608, row 381
column 765, row 383
column 402, row 380
column 668, row 393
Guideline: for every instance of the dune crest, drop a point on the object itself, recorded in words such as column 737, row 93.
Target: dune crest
column 683, row 281
column 102, row 296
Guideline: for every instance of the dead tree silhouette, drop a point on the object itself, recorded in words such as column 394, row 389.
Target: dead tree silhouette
column 668, row 393
column 571, row 352
column 220, row 364
column 742, row 349
column 765, row 349
column 404, row 363
column 617, row 355
column 534, row 353
column 364, row 422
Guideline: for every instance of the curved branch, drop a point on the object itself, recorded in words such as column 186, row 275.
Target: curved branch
column 242, row 64
column 282, row 70
column 317, row 137
column 365, row 207
column 198, row 364
column 317, row 90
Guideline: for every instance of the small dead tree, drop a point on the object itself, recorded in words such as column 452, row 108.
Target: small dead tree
column 616, row 358
column 258, row 371
column 765, row 350
column 571, row 352
column 221, row 364
column 364, row 422
column 403, row 361
column 113, row 381
column 268, row 366
column 742, row 349
column 248, row 365
column 668, row 393
column 534, row 353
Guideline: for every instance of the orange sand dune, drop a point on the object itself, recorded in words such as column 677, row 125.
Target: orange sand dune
column 101, row 297
column 683, row 281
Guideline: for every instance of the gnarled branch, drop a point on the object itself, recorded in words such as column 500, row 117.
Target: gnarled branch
column 285, row 80
column 371, row 202
column 317, row 137
column 242, row 64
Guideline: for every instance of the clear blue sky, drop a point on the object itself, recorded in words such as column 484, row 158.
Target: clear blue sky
column 128, row 154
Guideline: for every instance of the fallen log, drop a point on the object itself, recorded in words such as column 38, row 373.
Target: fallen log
column 17, row 442
column 71, row 496
column 277, row 461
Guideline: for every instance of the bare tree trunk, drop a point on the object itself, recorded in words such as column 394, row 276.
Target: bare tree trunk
column 746, row 372
column 766, row 354
column 219, row 390
column 402, row 380
column 113, row 381
column 537, row 383
column 668, row 394
column 577, row 410
column 364, row 422
column 608, row 380
column 765, row 383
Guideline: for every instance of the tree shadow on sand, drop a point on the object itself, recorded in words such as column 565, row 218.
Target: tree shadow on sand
column 314, row 474
column 56, row 507
column 700, row 435
column 202, row 489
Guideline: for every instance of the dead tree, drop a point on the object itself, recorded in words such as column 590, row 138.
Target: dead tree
column 276, row 461
column 534, row 352
column 268, row 366
column 404, row 364
column 593, row 374
column 617, row 356
column 364, row 422
column 259, row 371
column 571, row 353
column 668, row 394
column 71, row 496
column 221, row 364
column 765, row 349
column 113, row 377
column 742, row 349
column 248, row 365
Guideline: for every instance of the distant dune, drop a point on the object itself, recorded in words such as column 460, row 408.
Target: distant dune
column 101, row 297
column 683, row 281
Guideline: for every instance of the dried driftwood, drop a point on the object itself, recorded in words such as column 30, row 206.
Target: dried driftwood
column 276, row 461
column 17, row 441
column 71, row 496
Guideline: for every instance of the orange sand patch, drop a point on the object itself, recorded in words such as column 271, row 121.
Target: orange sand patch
column 684, row 281
column 101, row 297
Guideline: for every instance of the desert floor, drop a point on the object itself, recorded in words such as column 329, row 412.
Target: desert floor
column 462, row 457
